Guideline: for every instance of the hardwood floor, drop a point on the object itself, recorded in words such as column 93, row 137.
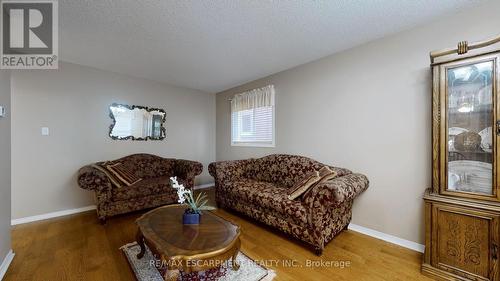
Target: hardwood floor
column 77, row 247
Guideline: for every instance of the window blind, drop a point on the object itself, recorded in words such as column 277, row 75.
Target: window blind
column 252, row 117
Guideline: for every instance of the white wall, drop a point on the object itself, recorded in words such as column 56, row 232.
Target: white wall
column 367, row 109
column 5, row 181
column 73, row 102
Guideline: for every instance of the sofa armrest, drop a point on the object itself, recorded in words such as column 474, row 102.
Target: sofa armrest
column 91, row 178
column 336, row 191
column 228, row 170
column 187, row 170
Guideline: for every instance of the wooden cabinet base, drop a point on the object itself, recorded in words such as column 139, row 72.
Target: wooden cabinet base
column 439, row 274
column 461, row 241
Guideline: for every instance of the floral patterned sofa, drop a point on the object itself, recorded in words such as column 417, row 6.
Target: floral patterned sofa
column 151, row 190
column 258, row 188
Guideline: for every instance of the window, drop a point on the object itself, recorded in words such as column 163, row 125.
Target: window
column 245, row 120
column 252, row 118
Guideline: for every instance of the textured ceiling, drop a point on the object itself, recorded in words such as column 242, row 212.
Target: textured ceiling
column 213, row 45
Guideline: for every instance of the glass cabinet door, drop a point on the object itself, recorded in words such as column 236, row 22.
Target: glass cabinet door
column 470, row 124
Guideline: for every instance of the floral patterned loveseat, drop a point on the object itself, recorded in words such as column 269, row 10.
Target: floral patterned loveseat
column 258, row 188
column 151, row 190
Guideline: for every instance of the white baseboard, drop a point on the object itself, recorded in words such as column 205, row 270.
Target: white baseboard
column 51, row 215
column 388, row 238
column 5, row 264
column 73, row 211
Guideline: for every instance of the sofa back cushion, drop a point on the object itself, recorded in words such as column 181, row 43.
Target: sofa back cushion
column 284, row 170
column 147, row 166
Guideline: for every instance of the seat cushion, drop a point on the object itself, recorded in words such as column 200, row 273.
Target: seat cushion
column 267, row 197
column 144, row 188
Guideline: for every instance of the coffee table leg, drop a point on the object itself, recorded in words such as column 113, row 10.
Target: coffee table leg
column 236, row 266
column 140, row 241
column 172, row 275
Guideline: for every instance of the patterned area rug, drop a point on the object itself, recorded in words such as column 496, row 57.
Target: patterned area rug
column 145, row 269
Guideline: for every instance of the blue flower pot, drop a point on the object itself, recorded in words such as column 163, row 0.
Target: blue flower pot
column 188, row 218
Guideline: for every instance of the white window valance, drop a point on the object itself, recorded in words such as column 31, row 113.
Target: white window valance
column 255, row 98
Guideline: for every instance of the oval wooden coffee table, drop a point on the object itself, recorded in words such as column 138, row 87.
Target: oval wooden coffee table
column 187, row 247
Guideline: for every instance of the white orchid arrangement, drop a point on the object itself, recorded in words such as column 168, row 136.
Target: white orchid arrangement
column 186, row 197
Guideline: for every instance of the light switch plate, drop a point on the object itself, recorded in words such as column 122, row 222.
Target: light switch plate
column 2, row 111
column 45, row 131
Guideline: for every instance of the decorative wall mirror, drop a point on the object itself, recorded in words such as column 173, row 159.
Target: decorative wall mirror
column 136, row 122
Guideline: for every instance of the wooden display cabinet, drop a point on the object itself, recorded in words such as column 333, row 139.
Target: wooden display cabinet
column 462, row 208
